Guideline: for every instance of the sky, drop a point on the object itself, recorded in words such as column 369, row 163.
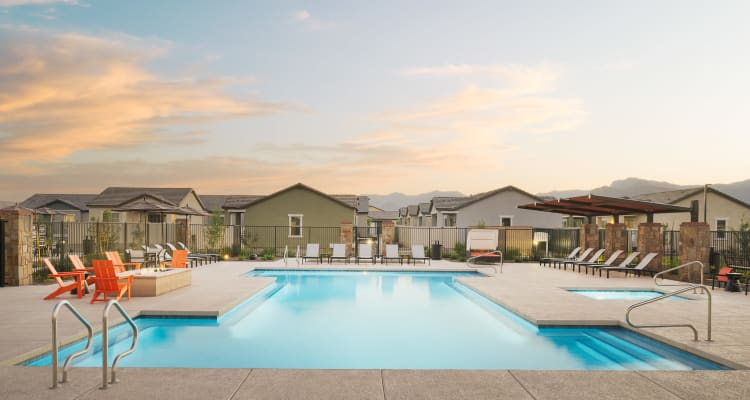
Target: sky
column 249, row 97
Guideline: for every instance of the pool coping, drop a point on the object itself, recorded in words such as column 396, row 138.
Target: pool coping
column 568, row 323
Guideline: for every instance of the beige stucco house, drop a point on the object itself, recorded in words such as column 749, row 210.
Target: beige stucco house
column 66, row 207
column 113, row 198
column 723, row 212
column 494, row 208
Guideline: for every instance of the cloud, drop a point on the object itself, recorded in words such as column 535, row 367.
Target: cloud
column 61, row 93
column 12, row 3
column 517, row 99
column 313, row 22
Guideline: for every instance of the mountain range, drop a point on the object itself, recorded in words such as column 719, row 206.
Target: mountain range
column 620, row 188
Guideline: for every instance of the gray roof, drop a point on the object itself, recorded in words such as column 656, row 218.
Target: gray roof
column 448, row 203
column 424, row 208
column 115, row 196
column 75, row 201
column 402, row 211
column 239, row 202
column 413, row 209
column 213, row 202
column 361, row 203
column 384, row 215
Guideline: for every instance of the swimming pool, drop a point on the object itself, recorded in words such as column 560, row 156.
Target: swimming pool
column 381, row 320
column 635, row 295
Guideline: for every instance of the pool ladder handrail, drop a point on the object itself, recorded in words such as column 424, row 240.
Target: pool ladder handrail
column 687, row 264
column 105, row 342
column 667, row 295
column 90, row 335
column 493, row 266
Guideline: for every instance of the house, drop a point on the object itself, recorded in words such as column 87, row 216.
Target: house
column 494, row 208
column 412, row 215
column 722, row 211
column 423, row 213
column 63, row 207
column 402, row 214
column 113, row 198
column 298, row 206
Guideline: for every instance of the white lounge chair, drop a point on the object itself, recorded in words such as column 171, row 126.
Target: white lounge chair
column 635, row 270
column 365, row 253
column 339, row 253
column 417, row 253
column 391, row 253
column 312, row 252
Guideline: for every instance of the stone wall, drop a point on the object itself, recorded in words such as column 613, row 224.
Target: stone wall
column 616, row 238
column 589, row 237
column 347, row 235
column 695, row 242
column 650, row 241
column 18, row 247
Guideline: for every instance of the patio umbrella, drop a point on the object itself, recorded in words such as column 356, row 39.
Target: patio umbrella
column 150, row 205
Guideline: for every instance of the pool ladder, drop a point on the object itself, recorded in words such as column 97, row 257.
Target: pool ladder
column 90, row 335
column 470, row 261
column 687, row 287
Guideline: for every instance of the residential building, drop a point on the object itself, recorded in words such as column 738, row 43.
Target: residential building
column 114, row 198
column 722, row 211
column 494, row 208
column 62, row 207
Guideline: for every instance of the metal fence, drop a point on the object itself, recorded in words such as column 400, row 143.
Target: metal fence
column 2, row 253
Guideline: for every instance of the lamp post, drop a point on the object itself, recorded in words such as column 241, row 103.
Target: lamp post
column 705, row 202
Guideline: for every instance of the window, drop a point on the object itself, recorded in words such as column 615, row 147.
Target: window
column 434, row 220
column 295, row 225
column 113, row 217
column 721, row 228
column 573, row 222
column 235, row 218
column 155, row 218
column 631, row 221
column 506, row 220
column 450, row 219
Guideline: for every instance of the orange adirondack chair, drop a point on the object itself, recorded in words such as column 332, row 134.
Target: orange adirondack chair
column 179, row 259
column 106, row 281
column 78, row 265
column 114, row 256
column 64, row 287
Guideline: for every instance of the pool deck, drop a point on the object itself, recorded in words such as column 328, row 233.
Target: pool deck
column 536, row 293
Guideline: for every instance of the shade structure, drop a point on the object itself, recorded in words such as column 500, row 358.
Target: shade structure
column 593, row 205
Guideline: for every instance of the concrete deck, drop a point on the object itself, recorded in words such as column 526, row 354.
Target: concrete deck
column 534, row 292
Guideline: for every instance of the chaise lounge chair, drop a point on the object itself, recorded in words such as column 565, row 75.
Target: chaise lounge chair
column 581, row 258
column 625, row 263
column 339, row 253
column 211, row 256
column 573, row 264
column 64, row 287
column 417, row 253
column 312, row 252
column 108, row 282
column 391, row 253
column 195, row 259
column 608, row 262
column 364, row 253
column 550, row 260
column 635, row 270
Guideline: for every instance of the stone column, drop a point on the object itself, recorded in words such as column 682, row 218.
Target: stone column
column 346, row 236
column 650, row 241
column 589, row 237
column 19, row 246
column 616, row 238
column 388, row 234
column 695, row 241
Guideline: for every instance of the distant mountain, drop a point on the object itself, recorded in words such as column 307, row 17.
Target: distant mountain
column 394, row 201
column 635, row 186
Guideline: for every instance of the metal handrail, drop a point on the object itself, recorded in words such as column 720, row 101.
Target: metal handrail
column 89, row 328
column 105, row 341
column 676, row 268
column 493, row 266
column 297, row 256
column 666, row 295
column 286, row 253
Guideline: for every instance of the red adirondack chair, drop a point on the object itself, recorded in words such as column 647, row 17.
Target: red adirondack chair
column 107, row 281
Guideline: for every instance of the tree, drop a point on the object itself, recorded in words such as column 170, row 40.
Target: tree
column 215, row 229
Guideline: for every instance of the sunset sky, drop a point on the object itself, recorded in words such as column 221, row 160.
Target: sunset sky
column 248, row 97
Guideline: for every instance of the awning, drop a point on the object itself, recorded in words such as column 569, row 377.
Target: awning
column 593, row 205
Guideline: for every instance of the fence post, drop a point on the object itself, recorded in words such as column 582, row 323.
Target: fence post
column 274, row 240
column 125, row 238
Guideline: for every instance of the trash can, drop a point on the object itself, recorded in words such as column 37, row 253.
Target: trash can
column 714, row 258
column 436, row 250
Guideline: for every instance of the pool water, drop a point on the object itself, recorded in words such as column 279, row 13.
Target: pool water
column 372, row 320
column 635, row 295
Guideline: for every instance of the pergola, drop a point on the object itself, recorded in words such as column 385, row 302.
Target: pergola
column 592, row 205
